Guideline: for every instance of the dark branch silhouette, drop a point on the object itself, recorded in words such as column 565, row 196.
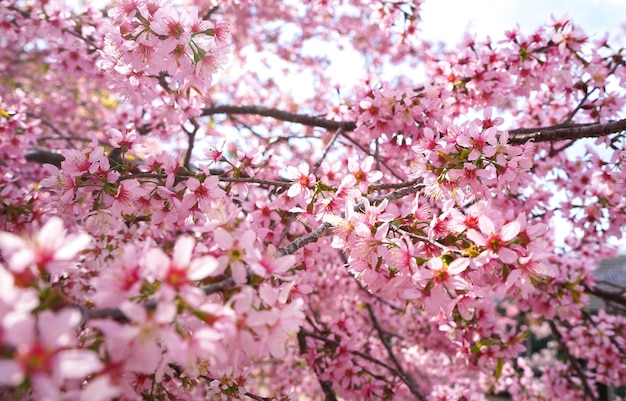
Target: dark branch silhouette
column 516, row 136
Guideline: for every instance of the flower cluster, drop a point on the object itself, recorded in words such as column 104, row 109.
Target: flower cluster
column 168, row 236
column 160, row 44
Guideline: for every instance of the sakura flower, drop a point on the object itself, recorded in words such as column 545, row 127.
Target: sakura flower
column 215, row 154
column 269, row 263
column 124, row 140
column 495, row 242
column 443, row 274
column 202, row 194
column 182, row 268
column 235, row 251
column 222, row 32
column 362, row 174
column 174, row 24
column 277, row 321
column 45, row 354
column 302, row 180
column 482, row 143
column 124, row 200
column 137, row 345
column 440, row 282
column 49, row 249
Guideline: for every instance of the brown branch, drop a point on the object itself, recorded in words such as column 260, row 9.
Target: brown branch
column 42, row 156
column 321, row 231
column 384, row 337
column 367, row 152
column 573, row 362
column 324, row 229
column 610, row 296
column 516, row 136
column 413, row 187
column 281, row 115
column 191, row 135
column 318, row 164
column 560, row 132
column 363, row 355
column 367, row 291
column 118, row 315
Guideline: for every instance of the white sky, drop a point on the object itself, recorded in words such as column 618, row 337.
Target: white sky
column 446, row 20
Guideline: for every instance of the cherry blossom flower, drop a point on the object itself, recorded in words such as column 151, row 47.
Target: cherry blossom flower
column 45, row 353
column 269, row 264
column 182, row 268
column 201, row 194
column 362, row 175
column 125, row 140
column 50, row 249
column 496, row 242
column 302, row 180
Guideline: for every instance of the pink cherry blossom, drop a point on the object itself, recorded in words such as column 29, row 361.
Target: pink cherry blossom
column 194, row 205
column 302, row 179
column 362, row 175
column 49, row 250
column 495, row 242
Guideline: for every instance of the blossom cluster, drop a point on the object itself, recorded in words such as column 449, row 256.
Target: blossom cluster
column 388, row 241
column 157, row 43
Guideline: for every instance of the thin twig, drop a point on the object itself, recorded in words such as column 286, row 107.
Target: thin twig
column 573, row 362
column 406, row 378
column 191, row 134
column 356, row 353
column 330, row 143
column 364, row 289
column 366, row 151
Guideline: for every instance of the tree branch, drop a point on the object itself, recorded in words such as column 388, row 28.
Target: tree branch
column 321, row 231
column 384, row 337
column 563, row 132
column 281, row 115
column 573, row 362
column 191, row 134
column 318, row 164
column 516, row 136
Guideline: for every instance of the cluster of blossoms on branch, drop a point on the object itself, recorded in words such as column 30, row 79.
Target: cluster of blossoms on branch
column 398, row 243
column 156, row 42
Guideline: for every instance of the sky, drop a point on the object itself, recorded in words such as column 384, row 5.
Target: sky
column 446, row 20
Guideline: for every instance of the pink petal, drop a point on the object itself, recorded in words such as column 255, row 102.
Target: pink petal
column 486, row 225
column 58, row 329
column 78, row 363
column 368, row 163
column 507, row 255
column 294, row 190
column 374, row 176
column 476, row 237
column 73, row 246
column 183, row 250
column 10, row 373
column 510, row 231
column 10, row 243
column 268, row 294
column 193, row 184
column 202, row 267
column 223, row 238
column 100, row 389
column 458, row 265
